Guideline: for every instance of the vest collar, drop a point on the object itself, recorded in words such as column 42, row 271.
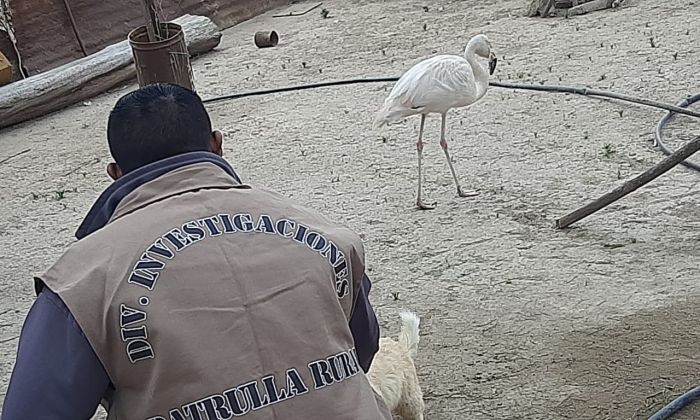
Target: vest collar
column 158, row 181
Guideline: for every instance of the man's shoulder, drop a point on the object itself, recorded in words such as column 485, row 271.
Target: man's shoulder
column 93, row 251
column 270, row 198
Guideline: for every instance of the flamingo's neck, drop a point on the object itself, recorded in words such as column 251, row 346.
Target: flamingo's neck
column 481, row 75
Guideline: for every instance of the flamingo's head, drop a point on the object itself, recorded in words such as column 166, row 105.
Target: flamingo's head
column 481, row 46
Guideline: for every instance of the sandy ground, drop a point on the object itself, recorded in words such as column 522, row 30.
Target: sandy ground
column 519, row 320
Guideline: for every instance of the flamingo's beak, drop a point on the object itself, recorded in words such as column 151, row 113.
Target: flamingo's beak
column 492, row 63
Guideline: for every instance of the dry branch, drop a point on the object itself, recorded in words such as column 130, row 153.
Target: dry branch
column 14, row 156
column 640, row 180
column 86, row 77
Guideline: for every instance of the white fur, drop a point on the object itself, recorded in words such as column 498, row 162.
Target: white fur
column 393, row 371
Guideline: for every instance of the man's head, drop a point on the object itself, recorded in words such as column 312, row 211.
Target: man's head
column 157, row 122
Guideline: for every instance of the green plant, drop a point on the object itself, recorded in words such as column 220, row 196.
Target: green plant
column 608, row 150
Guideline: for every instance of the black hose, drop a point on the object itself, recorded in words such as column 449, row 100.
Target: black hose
column 676, row 405
column 658, row 134
column 299, row 87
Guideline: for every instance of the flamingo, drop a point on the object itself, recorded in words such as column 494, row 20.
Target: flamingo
column 436, row 85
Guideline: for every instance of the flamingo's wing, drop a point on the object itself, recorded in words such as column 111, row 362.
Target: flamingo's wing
column 432, row 85
column 445, row 81
column 400, row 102
column 405, row 87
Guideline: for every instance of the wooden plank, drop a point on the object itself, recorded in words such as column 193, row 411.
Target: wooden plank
column 588, row 7
column 89, row 76
column 637, row 182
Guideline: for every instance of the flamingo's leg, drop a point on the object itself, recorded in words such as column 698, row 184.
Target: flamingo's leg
column 443, row 144
column 419, row 148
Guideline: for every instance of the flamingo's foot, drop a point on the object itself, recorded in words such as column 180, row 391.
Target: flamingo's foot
column 423, row 206
column 470, row 193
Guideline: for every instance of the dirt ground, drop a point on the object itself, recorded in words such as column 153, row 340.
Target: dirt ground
column 520, row 321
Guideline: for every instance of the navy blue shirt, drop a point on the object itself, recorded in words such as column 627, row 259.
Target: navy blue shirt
column 58, row 376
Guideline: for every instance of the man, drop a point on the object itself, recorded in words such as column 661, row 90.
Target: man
column 192, row 296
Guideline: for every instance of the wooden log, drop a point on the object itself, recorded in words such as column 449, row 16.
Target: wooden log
column 640, row 180
column 89, row 76
column 588, row 7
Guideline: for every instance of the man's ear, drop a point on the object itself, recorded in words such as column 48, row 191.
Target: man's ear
column 216, row 142
column 114, row 171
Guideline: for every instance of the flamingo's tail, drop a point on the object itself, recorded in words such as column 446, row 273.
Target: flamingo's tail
column 391, row 112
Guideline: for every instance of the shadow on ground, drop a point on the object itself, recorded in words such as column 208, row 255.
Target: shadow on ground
column 632, row 368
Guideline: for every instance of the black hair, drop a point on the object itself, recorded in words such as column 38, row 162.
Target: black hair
column 156, row 122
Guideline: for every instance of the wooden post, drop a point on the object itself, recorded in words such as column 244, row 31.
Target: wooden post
column 152, row 24
column 640, row 180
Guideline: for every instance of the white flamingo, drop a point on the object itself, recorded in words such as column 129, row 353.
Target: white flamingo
column 437, row 85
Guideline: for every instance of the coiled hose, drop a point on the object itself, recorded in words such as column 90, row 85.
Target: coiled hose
column 659, row 135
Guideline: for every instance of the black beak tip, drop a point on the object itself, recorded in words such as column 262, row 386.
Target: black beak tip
column 492, row 65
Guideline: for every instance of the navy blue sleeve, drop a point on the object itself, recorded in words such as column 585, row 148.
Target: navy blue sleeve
column 364, row 326
column 57, row 375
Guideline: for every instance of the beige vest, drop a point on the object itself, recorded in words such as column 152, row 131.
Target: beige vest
column 205, row 299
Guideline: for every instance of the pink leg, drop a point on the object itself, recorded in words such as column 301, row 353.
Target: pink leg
column 443, row 144
column 419, row 148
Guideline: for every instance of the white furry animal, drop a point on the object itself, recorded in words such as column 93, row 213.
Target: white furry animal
column 436, row 85
column 393, row 371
